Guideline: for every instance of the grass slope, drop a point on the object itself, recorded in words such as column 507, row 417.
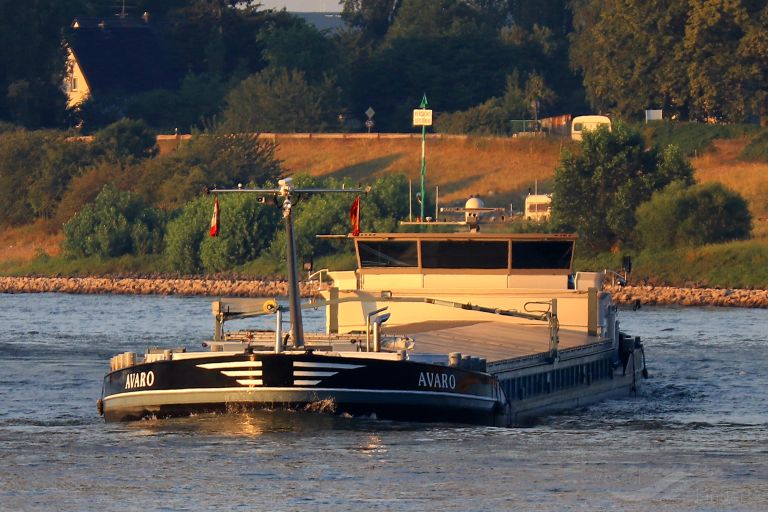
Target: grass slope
column 500, row 170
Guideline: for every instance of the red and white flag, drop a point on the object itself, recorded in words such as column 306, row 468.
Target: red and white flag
column 215, row 219
column 354, row 216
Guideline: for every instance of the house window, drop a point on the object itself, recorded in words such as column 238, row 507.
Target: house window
column 73, row 83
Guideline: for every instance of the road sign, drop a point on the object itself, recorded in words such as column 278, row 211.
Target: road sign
column 370, row 112
column 369, row 124
column 422, row 117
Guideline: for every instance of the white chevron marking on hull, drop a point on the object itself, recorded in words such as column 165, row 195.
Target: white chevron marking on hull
column 230, row 364
column 301, row 382
column 303, row 373
column 242, row 373
column 250, row 382
column 331, row 366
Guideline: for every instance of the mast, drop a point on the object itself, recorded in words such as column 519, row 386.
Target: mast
column 288, row 193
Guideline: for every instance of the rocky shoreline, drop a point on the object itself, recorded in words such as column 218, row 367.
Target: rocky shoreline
column 627, row 295
column 147, row 286
column 670, row 296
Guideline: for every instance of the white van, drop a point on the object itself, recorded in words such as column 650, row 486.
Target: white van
column 582, row 124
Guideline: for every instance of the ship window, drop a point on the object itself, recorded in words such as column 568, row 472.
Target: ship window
column 450, row 254
column 388, row 254
column 550, row 255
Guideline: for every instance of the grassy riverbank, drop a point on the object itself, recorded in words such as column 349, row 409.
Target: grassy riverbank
column 501, row 170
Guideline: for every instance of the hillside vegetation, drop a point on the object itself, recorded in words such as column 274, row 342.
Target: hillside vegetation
column 501, row 170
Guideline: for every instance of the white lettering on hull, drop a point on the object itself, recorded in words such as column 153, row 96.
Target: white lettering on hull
column 140, row 380
column 437, row 380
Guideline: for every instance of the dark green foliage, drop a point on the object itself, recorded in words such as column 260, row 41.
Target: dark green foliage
column 596, row 192
column 371, row 17
column 445, row 68
column 694, row 59
column 681, row 216
column 302, row 47
column 488, row 118
column 116, row 223
column 692, row 138
column 247, row 226
column 35, row 169
column 494, row 117
column 279, row 100
column 218, row 37
column 125, row 142
column 31, row 60
column 199, row 99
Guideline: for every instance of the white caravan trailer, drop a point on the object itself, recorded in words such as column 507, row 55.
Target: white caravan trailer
column 582, row 124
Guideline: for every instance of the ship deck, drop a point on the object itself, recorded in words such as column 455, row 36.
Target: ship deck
column 494, row 341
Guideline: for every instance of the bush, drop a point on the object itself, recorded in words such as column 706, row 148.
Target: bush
column 488, row 118
column 116, row 223
column 680, row 216
column 247, row 226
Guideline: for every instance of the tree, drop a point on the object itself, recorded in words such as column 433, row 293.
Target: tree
column 597, row 191
column 219, row 37
column 125, row 142
column 681, row 216
column 720, row 81
column 35, row 170
column 278, row 100
column 630, row 54
column 493, row 116
column 32, row 60
column 371, row 17
column 302, row 47
column 207, row 159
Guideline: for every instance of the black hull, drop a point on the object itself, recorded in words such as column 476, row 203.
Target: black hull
column 512, row 394
column 386, row 389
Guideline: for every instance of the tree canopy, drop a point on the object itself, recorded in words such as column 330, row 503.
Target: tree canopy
column 597, row 191
column 698, row 59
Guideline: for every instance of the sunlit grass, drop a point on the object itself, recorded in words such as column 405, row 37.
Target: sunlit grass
column 498, row 169
column 750, row 179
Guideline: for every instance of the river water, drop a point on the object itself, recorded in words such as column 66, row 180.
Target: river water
column 696, row 438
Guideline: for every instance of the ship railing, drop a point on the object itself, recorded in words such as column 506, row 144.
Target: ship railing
column 315, row 279
column 616, row 278
column 270, row 306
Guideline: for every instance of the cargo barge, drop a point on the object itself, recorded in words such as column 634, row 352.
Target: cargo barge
column 471, row 327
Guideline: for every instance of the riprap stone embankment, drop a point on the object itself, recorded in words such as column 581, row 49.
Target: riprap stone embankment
column 670, row 296
column 627, row 295
column 146, row 286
